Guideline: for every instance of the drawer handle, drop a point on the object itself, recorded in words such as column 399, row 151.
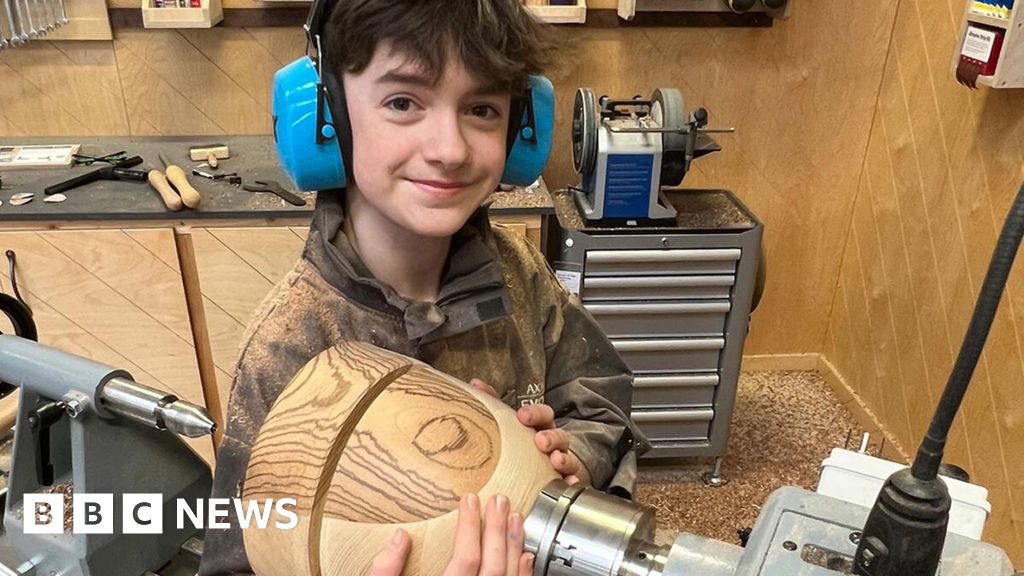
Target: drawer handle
column 668, row 345
column 674, row 381
column 686, row 308
column 659, row 281
column 701, row 415
column 628, row 256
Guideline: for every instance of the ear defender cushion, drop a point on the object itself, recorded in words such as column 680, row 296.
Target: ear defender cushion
column 531, row 146
column 310, row 166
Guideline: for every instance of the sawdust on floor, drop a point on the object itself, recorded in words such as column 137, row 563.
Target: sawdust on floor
column 785, row 423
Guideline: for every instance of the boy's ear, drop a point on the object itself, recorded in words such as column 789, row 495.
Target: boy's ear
column 530, row 134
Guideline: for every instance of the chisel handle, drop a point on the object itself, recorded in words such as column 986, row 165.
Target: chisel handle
column 189, row 195
column 159, row 183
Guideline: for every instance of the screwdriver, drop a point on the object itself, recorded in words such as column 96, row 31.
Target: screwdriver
column 189, row 195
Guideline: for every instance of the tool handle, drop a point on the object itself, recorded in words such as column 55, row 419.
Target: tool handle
column 189, row 195
column 75, row 182
column 290, row 198
column 129, row 174
column 159, row 183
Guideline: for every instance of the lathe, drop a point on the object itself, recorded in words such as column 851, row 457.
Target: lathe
column 87, row 428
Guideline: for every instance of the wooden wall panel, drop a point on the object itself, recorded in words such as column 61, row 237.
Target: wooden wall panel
column 943, row 164
column 61, row 88
column 237, row 268
column 172, row 86
column 90, row 297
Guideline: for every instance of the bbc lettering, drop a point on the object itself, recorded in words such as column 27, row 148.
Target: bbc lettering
column 143, row 513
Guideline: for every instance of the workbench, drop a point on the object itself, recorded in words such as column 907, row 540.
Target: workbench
column 112, row 275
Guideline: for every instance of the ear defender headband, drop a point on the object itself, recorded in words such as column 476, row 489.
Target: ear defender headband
column 314, row 137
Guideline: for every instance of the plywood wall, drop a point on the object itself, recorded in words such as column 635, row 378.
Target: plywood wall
column 942, row 166
column 800, row 94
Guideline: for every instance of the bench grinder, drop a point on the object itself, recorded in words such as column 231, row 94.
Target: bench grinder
column 626, row 151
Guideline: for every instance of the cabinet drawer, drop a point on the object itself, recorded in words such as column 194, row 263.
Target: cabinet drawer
column 675, row 390
column 693, row 424
column 615, row 288
column 670, row 354
column 661, row 319
column 655, row 262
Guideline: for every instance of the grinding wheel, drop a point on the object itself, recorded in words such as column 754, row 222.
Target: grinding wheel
column 667, row 112
column 741, row 5
column 584, row 131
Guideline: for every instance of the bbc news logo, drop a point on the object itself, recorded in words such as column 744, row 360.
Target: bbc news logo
column 144, row 513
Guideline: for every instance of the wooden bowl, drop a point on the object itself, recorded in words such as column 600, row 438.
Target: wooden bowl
column 367, row 441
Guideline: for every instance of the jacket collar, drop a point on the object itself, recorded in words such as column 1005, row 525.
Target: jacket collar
column 472, row 291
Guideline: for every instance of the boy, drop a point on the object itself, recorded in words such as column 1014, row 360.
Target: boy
column 405, row 258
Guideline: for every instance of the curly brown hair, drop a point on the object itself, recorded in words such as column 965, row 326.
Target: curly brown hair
column 498, row 41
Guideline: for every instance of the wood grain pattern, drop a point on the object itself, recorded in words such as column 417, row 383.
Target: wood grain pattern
column 368, row 440
column 421, row 444
column 942, row 166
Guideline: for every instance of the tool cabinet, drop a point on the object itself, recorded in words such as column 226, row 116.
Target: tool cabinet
column 675, row 302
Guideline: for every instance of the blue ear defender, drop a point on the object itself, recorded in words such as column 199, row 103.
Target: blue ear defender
column 531, row 148
column 304, row 134
column 308, row 143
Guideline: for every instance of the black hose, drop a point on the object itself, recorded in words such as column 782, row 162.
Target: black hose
column 12, row 272
column 929, row 454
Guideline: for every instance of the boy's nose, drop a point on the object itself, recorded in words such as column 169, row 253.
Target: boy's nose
column 447, row 144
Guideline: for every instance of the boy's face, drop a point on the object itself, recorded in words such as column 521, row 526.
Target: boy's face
column 425, row 156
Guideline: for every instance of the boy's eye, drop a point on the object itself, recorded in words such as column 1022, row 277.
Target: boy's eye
column 399, row 104
column 485, row 111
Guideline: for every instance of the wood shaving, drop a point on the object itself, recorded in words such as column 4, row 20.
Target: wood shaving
column 784, row 424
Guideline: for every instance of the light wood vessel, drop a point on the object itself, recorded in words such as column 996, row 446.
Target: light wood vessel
column 367, row 441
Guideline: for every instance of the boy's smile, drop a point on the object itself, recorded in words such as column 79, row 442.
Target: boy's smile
column 426, row 152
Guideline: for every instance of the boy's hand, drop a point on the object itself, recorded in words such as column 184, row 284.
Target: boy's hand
column 549, row 439
column 491, row 547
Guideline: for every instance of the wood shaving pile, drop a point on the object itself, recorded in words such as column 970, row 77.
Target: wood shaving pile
column 784, row 425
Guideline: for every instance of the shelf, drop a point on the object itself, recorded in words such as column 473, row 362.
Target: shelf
column 627, row 9
column 207, row 15
column 992, row 21
column 576, row 14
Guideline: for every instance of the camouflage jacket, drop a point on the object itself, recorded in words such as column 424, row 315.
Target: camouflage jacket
column 501, row 315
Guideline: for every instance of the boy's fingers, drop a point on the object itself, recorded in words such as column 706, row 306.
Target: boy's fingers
column 466, row 556
column 483, row 387
column 565, row 463
column 525, row 565
column 391, row 560
column 515, row 544
column 536, row 416
column 495, row 546
column 548, row 441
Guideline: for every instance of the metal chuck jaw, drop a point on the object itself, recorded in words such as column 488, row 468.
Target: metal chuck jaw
column 582, row 531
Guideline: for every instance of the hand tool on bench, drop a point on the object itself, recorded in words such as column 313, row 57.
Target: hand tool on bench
column 159, row 182
column 275, row 188
column 117, row 171
column 189, row 196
